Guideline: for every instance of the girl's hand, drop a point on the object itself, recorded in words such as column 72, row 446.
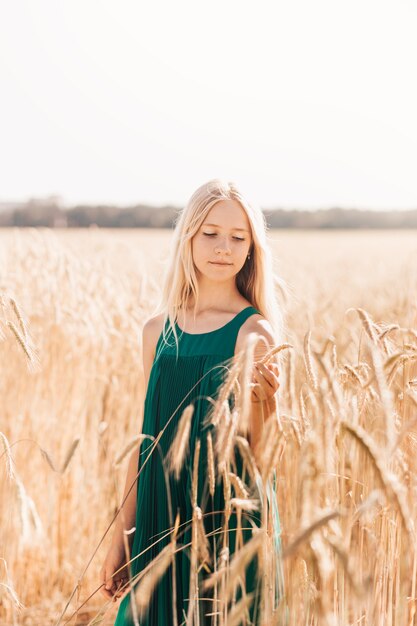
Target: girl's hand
column 111, row 582
column 265, row 381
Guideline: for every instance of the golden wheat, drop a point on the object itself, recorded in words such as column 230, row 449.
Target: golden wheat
column 344, row 441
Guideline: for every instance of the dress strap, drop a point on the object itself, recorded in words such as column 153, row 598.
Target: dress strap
column 228, row 335
column 243, row 315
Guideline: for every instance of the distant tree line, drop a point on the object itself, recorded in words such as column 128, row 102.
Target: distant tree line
column 49, row 212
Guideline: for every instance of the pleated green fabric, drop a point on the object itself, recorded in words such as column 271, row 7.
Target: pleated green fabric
column 191, row 375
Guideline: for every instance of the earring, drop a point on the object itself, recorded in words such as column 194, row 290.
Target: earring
column 248, row 256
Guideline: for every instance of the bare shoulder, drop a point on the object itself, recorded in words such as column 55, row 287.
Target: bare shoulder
column 152, row 328
column 261, row 326
column 153, row 324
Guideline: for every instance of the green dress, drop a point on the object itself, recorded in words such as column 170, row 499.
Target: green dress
column 191, row 375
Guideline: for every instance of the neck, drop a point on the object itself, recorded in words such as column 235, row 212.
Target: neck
column 215, row 295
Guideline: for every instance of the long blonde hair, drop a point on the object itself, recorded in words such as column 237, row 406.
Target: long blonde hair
column 256, row 280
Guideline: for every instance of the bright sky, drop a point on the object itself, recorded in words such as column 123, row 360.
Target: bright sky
column 304, row 104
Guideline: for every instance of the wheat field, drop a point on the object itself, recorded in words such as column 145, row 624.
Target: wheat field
column 72, row 307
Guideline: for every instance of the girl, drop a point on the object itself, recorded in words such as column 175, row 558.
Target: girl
column 218, row 289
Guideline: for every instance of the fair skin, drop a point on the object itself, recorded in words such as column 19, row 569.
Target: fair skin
column 224, row 236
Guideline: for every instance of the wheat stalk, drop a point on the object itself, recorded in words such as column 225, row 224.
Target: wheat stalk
column 19, row 317
column 237, row 566
column 308, row 361
column 137, row 439
column 154, row 573
column 210, row 462
column 176, row 454
column 8, row 453
column 369, row 326
column 240, row 610
column 389, row 482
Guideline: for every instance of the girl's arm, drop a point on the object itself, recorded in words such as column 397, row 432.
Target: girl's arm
column 127, row 516
column 263, row 403
column 260, row 411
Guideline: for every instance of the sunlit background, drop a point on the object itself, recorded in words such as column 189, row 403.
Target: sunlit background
column 305, row 104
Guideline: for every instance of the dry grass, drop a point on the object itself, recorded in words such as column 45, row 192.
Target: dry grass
column 344, row 444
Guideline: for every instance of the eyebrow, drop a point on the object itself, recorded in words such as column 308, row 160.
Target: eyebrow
column 217, row 226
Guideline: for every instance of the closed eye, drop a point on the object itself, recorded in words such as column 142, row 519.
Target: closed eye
column 214, row 234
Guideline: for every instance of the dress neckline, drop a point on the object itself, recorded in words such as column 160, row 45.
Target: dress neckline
column 210, row 332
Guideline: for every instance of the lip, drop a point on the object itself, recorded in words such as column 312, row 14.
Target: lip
column 218, row 263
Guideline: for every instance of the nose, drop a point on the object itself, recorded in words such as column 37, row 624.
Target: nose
column 219, row 249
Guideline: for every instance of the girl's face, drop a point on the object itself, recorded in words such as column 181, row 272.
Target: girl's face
column 221, row 245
